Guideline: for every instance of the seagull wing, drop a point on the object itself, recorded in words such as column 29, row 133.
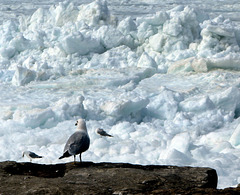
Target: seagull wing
column 77, row 143
column 33, row 155
column 103, row 133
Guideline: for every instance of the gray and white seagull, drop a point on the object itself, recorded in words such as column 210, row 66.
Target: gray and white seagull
column 30, row 155
column 78, row 142
column 102, row 132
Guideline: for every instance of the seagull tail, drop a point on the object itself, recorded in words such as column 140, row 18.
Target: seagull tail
column 66, row 154
column 109, row 135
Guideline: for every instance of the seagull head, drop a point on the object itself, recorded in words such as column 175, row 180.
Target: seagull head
column 81, row 125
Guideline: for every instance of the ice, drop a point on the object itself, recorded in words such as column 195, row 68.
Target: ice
column 127, row 25
column 94, row 13
column 164, row 105
column 199, row 104
column 157, row 42
column 146, row 61
column 158, row 19
column 163, row 80
column 33, row 118
column 23, row 76
column 185, row 65
column 8, row 52
column 228, row 99
column 181, row 142
column 175, row 157
column 77, row 43
column 235, row 137
column 123, row 108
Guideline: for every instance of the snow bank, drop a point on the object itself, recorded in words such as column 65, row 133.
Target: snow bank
column 66, row 37
column 34, row 117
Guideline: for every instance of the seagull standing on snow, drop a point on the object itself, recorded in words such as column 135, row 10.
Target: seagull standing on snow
column 102, row 132
column 78, row 142
column 31, row 155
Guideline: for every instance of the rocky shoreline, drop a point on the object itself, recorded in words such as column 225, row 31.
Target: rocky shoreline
column 107, row 178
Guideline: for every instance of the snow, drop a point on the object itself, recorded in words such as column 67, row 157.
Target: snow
column 164, row 83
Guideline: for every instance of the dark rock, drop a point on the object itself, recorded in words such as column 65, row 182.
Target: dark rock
column 38, row 170
column 106, row 178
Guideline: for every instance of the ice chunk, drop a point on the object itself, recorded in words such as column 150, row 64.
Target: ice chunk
column 129, row 29
column 23, row 76
column 228, row 99
column 144, row 31
column 196, row 104
column 39, row 17
column 220, row 31
column 235, row 137
column 64, row 12
column 191, row 64
column 146, row 61
column 200, row 65
column 101, row 146
column 157, row 42
column 123, row 108
column 127, row 25
column 6, row 113
column 78, row 43
column 172, row 28
column 227, row 62
column 205, row 64
column 20, row 43
column 118, row 57
column 175, row 34
column 68, row 108
column 123, row 130
column 200, row 152
column 94, row 13
column 7, row 52
column 218, row 37
column 35, row 117
column 164, row 105
column 223, row 146
column 181, row 142
column 109, row 37
column 184, row 65
column 176, row 157
column 156, row 19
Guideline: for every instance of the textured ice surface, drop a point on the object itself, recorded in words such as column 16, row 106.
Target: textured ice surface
column 164, row 84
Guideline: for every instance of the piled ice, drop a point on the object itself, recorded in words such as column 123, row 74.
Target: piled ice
column 165, row 85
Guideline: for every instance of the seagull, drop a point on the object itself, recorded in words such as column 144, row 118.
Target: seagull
column 31, row 155
column 78, row 142
column 102, row 132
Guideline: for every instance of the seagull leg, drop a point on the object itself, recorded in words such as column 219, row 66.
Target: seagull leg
column 80, row 156
column 74, row 159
